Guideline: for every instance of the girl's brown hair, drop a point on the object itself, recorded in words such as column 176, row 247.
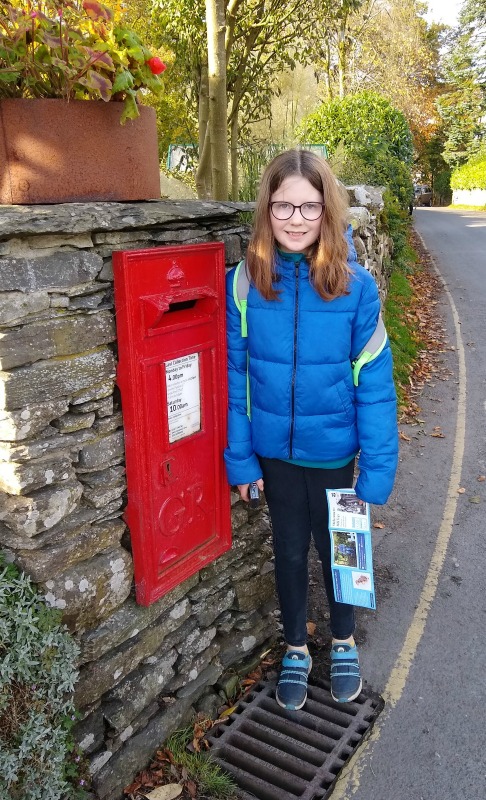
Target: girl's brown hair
column 329, row 271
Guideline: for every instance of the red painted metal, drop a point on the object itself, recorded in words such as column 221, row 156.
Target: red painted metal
column 172, row 376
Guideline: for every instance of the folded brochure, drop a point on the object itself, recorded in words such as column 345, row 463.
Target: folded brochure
column 351, row 555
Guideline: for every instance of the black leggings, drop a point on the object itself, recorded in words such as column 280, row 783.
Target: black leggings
column 297, row 502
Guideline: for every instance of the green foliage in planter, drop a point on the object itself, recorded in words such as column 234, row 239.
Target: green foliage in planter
column 472, row 174
column 73, row 50
column 37, row 677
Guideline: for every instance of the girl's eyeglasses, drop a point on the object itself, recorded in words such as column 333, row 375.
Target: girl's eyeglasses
column 309, row 211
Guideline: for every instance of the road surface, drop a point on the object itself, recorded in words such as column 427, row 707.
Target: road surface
column 424, row 649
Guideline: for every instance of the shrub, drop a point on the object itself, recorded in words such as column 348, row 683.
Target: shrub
column 37, row 676
column 349, row 167
column 368, row 138
column 361, row 122
column 396, row 220
column 442, row 186
column 472, row 174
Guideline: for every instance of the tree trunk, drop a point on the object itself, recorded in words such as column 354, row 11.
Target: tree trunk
column 342, row 54
column 328, row 67
column 235, row 183
column 215, row 21
column 203, row 173
column 233, row 121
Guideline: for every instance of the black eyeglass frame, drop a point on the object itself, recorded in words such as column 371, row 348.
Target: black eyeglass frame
column 309, row 202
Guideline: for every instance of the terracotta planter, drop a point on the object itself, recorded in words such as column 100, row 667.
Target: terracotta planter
column 53, row 151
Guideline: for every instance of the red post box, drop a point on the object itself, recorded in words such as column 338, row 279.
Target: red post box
column 170, row 311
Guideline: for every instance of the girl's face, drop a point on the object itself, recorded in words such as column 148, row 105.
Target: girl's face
column 296, row 235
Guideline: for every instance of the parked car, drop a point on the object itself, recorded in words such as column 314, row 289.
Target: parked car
column 423, row 195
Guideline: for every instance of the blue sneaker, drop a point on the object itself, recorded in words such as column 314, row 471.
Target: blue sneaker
column 346, row 680
column 292, row 684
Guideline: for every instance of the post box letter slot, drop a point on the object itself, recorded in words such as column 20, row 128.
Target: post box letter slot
column 179, row 309
column 181, row 305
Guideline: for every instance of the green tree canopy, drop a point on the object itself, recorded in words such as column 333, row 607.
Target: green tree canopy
column 462, row 106
column 262, row 37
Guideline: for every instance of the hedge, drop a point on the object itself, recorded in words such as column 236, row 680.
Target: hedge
column 472, row 174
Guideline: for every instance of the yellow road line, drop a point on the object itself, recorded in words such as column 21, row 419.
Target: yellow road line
column 349, row 782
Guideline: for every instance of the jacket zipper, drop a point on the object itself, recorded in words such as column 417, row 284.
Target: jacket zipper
column 294, row 366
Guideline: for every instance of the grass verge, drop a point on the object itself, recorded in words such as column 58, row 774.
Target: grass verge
column 402, row 330
column 401, row 322
column 461, row 207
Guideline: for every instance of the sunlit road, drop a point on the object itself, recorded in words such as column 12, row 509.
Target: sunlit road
column 424, row 649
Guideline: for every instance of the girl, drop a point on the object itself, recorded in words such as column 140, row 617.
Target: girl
column 318, row 366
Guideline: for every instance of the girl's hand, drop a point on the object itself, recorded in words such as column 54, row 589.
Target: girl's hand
column 244, row 487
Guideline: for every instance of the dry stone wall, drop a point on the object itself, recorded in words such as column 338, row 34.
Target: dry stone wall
column 143, row 670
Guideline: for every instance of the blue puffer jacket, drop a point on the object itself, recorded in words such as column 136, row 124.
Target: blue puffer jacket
column 304, row 404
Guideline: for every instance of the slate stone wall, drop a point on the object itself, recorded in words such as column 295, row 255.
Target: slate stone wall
column 143, row 671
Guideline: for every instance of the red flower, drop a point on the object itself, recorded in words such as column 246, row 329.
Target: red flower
column 156, row 65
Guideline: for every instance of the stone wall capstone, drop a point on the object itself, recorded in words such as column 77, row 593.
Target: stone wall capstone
column 144, row 671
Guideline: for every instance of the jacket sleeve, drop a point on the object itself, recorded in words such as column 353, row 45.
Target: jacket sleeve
column 376, row 406
column 242, row 465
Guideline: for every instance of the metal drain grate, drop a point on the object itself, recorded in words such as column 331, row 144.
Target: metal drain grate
column 274, row 754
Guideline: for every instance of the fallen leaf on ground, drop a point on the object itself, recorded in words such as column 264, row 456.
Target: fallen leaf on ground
column 438, row 435
column 200, row 729
column 481, row 477
column 423, row 315
column 168, row 792
column 132, row 788
column 379, row 525
column 311, row 628
column 404, row 437
column 228, row 711
column 146, row 779
column 461, row 491
column 475, row 499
